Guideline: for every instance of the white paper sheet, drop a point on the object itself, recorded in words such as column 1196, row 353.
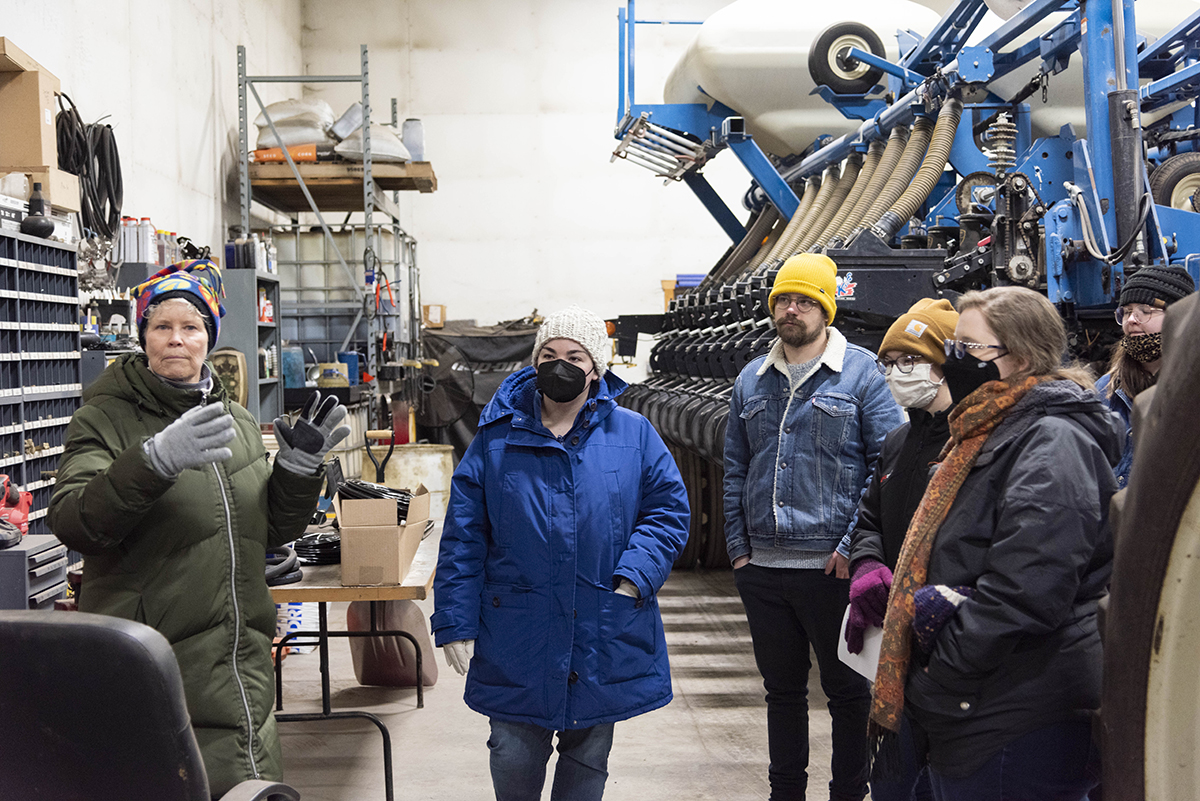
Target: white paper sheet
column 865, row 662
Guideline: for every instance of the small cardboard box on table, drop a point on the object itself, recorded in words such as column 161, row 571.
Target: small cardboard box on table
column 376, row 550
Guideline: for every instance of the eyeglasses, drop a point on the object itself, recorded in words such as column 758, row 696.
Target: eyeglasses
column 958, row 347
column 804, row 303
column 904, row 364
column 1136, row 313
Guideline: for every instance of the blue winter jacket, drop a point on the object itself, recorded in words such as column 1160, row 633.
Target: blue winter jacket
column 538, row 533
column 1122, row 404
column 797, row 463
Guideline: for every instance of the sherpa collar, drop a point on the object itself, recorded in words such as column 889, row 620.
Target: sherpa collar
column 834, row 355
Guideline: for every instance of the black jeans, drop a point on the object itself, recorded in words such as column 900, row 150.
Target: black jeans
column 788, row 610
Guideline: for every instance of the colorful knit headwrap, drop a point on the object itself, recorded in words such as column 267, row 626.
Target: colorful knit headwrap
column 197, row 281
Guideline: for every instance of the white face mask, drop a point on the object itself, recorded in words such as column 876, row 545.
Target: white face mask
column 915, row 390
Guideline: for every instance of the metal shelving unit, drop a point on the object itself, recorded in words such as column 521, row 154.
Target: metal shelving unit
column 40, row 381
column 241, row 329
column 342, row 312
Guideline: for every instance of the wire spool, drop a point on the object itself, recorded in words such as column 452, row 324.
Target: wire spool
column 322, row 548
column 357, row 489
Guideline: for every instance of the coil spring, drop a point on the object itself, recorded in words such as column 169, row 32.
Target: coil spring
column 1002, row 133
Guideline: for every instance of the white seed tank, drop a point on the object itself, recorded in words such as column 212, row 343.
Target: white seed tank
column 754, row 56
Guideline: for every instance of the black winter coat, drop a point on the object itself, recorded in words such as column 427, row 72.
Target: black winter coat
column 1029, row 531
column 898, row 481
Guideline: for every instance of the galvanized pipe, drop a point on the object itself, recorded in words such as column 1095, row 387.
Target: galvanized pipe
column 654, row 156
column 671, row 136
column 649, row 138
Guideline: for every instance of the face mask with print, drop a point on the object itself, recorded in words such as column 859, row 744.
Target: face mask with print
column 1144, row 348
column 917, row 389
column 560, row 380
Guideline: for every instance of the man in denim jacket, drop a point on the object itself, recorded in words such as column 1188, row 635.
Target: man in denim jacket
column 806, row 423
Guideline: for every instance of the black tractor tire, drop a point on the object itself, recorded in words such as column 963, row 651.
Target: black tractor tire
column 1176, row 182
column 826, row 66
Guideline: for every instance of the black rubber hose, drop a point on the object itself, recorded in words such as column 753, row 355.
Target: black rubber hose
column 90, row 152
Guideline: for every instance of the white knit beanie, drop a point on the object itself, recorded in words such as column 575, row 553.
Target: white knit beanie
column 580, row 325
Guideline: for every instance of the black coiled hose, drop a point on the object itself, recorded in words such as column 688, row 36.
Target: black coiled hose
column 90, row 152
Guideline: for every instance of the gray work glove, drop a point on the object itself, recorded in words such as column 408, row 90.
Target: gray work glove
column 302, row 447
column 194, row 440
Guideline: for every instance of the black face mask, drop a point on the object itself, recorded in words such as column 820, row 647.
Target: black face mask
column 560, row 380
column 965, row 375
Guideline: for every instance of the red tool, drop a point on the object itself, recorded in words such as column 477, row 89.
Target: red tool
column 14, row 504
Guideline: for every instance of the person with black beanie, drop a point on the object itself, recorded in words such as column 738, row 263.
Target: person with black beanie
column 1138, row 355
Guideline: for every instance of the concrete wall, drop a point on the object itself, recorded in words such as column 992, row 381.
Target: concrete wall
column 165, row 75
column 519, row 101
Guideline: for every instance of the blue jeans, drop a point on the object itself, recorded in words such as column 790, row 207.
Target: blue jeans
column 1054, row 763
column 788, row 610
column 520, row 751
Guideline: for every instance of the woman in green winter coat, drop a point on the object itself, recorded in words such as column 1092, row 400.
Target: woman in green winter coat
column 165, row 487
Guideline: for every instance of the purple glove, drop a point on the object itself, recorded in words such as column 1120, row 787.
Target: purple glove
column 868, row 601
column 933, row 606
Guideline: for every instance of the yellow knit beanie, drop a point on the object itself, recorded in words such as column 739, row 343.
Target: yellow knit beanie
column 808, row 274
column 923, row 330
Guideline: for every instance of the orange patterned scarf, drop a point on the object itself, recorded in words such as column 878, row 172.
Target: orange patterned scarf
column 970, row 424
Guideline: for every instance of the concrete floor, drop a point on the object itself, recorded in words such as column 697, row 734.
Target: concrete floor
column 709, row 743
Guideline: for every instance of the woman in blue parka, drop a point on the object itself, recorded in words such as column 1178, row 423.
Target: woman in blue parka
column 566, row 514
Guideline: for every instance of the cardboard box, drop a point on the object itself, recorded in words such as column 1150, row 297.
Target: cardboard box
column 14, row 59
column 59, row 188
column 434, row 315
column 27, row 111
column 375, row 550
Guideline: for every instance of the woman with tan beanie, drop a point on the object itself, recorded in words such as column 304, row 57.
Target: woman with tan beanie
column 910, row 358
column 991, row 647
